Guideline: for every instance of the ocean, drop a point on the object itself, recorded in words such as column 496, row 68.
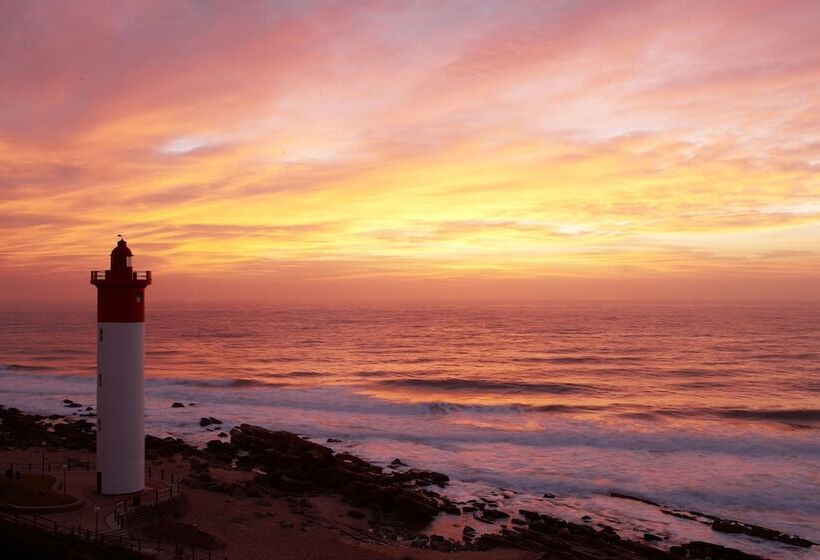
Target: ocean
column 706, row 407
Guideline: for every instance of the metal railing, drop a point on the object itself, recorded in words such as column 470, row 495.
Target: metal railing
column 44, row 467
column 149, row 546
column 97, row 275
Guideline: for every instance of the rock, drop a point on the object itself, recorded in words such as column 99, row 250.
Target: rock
column 452, row 509
column 586, row 519
column 395, row 463
column 177, row 405
column 333, row 440
column 491, row 515
column 701, row 550
column 220, row 447
column 67, row 401
column 356, row 514
column 208, row 420
column 221, row 434
column 191, row 404
column 89, row 408
column 652, row 537
column 73, row 405
column 634, row 498
column 550, row 496
column 729, row 526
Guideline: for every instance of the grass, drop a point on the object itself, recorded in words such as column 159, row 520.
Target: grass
column 32, row 490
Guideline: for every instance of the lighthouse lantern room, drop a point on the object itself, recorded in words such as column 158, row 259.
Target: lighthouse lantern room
column 120, row 364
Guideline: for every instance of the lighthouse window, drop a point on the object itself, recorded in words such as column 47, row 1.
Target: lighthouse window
column 128, row 261
column 101, row 337
column 99, row 380
column 139, row 297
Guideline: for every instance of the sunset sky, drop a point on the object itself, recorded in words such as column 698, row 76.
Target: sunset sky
column 314, row 151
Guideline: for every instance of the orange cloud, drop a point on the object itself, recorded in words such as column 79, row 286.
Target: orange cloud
column 460, row 150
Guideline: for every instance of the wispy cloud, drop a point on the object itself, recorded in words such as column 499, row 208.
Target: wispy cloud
column 468, row 141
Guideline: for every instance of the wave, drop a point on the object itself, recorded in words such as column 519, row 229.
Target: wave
column 560, row 360
column 797, row 414
column 454, row 384
column 21, row 367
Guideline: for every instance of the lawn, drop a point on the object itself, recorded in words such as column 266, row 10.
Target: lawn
column 32, row 490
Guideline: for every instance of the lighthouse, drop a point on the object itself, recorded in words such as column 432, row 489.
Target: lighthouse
column 120, row 385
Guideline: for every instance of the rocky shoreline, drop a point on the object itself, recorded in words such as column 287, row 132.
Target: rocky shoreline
column 396, row 503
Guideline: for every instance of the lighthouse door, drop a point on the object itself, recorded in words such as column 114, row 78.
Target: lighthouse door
column 99, row 482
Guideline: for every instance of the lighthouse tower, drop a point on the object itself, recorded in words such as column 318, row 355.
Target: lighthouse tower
column 120, row 356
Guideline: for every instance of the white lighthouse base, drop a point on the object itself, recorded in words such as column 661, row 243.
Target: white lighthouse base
column 120, row 408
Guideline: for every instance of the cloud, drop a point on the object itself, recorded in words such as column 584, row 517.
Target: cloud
column 471, row 142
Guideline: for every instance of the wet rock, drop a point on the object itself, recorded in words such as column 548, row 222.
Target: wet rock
column 177, row 405
column 701, row 550
column 634, row 498
column 333, row 440
column 395, row 463
column 221, row 434
column 729, row 526
column 218, row 447
column 650, row 537
column 208, row 420
column 491, row 515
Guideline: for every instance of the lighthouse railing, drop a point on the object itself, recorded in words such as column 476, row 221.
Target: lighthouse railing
column 98, row 275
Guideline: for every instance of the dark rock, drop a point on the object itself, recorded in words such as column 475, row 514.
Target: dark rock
column 89, row 408
column 548, row 495
column 221, row 434
column 333, row 440
column 356, row 514
column 651, row 537
column 729, row 526
column 586, row 519
column 452, row 509
column 208, row 420
column 177, row 405
column 73, row 405
column 634, row 498
column 708, row 551
column 397, row 463
column 220, row 447
column 491, row 515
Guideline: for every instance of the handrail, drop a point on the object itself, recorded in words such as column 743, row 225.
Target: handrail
column 42, row 523
column 98, row 275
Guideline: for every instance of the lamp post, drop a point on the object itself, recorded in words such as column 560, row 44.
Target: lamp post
column 97, row 523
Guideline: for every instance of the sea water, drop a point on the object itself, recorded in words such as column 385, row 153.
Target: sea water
column 707, row 407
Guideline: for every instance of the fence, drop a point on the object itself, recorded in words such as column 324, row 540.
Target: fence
column 148, row 546
column 46, row 467
column 146, row 498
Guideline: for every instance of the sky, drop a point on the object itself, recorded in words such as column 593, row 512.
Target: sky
column 400, row 150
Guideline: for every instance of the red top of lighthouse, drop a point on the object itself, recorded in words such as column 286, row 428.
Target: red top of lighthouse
column 121, row 289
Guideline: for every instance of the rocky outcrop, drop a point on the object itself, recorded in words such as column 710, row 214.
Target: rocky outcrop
column 287, row 462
